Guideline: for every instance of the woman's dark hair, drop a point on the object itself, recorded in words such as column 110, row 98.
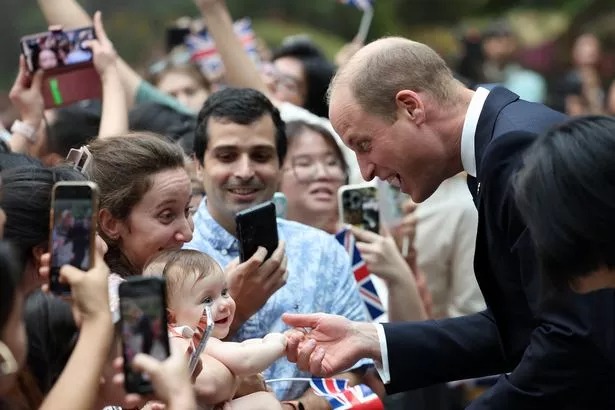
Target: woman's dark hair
column 566, row 194
column 240, row 106
column 26, row 198
column 10, row 160
column 297, row 127
column 73, row 126
column 123, row 167
column 164, row 120
column 52, row 335
column 317, row 69
column 9, row 282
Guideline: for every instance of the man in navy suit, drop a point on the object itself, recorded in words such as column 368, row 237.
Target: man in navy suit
column 397, row 105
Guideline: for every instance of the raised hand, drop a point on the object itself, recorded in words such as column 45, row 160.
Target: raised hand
column 104, row 54
column 26, row 95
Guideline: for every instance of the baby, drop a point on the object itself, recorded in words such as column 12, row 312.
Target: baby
column 194, row 280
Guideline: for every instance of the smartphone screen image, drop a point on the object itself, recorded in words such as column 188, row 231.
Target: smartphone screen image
column 358, row 206
column 58, row 48
column 143, row 326
column 73, row 229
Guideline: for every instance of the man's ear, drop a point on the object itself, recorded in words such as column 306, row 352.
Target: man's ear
column 199, row 169
column 109, row 225
column 410, row 104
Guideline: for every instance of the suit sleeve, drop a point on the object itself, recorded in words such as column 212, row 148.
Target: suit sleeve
column 561, row 364
column 430, row 352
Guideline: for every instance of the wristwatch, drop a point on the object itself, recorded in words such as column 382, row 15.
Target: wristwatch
column 25, row 129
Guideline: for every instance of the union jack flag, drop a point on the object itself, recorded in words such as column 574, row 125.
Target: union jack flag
column 367, row 290
column 340, row 396
column 361, row 4
column 204, row 53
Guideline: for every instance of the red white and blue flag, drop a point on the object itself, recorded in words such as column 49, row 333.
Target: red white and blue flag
column 341, row 397
column 204, row 53
column 361, row 4
column 362, row 276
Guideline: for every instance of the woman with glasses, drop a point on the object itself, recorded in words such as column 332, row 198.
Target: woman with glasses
column 313, row 171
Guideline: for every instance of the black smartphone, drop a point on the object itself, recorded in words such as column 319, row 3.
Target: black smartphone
column 358, row 206
column 57, row 48
column 257, row 226
column 72, row 218
column 175, row 36
column 143, row 318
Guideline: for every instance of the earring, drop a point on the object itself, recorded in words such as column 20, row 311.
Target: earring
column 8, row 364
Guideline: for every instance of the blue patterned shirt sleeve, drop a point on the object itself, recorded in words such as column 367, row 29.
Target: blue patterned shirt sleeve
column 320, row 279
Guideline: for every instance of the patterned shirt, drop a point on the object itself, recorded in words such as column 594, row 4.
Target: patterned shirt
column 320, row 279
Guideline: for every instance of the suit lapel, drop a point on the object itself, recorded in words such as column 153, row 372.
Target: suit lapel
column 497, row 99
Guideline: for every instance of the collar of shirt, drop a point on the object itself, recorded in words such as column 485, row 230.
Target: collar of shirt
column 468, row 134
column 209, row 229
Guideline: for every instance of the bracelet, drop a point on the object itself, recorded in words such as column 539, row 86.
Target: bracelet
column 25, row 129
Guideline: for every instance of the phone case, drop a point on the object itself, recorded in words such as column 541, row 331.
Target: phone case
column 358, row 206
column 257, row 226
column 72, row 229
column 143, row 320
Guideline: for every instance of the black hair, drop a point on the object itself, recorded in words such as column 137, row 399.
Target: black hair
column 74, row 125
column 566, row 195
column 10, row 160
column 9, row 281
column 26, row 198
column 164, row 120
column 241, row 106
column 318, row 72
column 52, row 335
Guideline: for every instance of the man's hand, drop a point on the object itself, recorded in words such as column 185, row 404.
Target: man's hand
column 252, row 282
column 325, row 345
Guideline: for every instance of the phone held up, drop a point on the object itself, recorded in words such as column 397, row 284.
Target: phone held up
column 72, row 217
column 143, row 321
column 257, row 226
column 69, row 73
column 358, row 206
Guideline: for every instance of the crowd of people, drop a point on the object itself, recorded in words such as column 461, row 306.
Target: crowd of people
column 498, row 271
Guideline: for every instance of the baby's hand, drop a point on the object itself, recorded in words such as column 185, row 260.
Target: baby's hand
column 275, row 338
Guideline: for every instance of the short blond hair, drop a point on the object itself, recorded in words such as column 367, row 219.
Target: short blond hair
column 383, row 68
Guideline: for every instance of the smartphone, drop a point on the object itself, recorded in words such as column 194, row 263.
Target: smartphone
column 358, row 206
column 143, row 321
column 72, row 217
column 55, row 49
column 69, row 73
column 175, row 36
column 257, row 226
column 281, row 205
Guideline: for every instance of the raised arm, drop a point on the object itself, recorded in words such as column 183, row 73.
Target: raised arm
column 240, row 70
column 249, row 357
column 70, row 14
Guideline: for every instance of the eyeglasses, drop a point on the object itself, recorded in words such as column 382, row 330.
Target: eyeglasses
column 308, row 169
column 282, row 81
column 80, row 159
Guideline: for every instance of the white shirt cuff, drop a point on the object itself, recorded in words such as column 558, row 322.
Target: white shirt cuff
column 383, row 366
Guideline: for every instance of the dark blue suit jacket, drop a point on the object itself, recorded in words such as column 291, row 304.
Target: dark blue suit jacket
column 555, row 346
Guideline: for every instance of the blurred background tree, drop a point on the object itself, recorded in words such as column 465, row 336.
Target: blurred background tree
column 137, row 26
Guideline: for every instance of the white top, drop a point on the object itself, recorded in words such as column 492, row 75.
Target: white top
column 468, row 134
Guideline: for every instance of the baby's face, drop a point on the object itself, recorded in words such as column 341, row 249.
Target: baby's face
column 188, row 303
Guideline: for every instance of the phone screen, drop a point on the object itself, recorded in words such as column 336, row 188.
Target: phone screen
column 56, row 49
column 73, row 228
column 359, row 207
column 257, row 226
column 144, row 326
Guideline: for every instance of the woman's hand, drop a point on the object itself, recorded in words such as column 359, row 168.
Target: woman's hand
column 103, row 52
column 26, row 95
